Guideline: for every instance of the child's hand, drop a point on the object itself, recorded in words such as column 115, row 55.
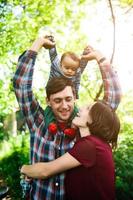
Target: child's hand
column 91, row 54
column 87, row 50
column 50, row 37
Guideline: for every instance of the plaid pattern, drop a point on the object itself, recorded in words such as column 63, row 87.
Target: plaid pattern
column 43, row 146
column 26, row 186
column 55, row 70
column 112, row 89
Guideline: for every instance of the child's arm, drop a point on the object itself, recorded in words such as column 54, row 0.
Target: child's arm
column 22, row 82
column 55, row 62
column 82, row 65
column 54, row 57
column 83, row 62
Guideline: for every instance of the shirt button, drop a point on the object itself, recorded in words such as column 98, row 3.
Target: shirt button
column 56, row 184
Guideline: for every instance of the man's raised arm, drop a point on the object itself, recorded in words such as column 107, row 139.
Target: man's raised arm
column 22, row 82
column 112, row 89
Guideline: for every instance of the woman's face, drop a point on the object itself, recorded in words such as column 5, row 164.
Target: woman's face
column 83, row 116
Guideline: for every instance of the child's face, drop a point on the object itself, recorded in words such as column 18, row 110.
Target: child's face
column 69, row 66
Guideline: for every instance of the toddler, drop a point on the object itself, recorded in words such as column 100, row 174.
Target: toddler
column 69, row 66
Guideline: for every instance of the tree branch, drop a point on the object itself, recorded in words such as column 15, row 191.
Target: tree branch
column 113, row 51
column 113, row 20
column 129, row 9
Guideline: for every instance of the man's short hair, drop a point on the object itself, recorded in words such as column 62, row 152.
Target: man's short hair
column 57, row 84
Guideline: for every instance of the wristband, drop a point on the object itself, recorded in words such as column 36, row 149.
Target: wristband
column 101, row 60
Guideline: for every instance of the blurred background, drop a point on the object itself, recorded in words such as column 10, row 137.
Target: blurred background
column 106, row 25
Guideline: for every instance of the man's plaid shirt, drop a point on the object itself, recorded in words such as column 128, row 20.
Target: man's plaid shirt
column 42, row 146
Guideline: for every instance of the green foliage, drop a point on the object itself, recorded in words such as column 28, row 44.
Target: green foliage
column 126, row 2
column 124, row 154
column 124, row 165
column 20, row 22
column 125, row 112
column 10, row 172
column 11, row 163
column 90, row 84
column 7, row 100
column 6, row 95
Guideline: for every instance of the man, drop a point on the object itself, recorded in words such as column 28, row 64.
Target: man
column 48, row 136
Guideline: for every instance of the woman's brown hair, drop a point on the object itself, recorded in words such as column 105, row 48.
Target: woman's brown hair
column 105, row 123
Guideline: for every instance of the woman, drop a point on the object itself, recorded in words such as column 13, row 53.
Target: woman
column 91, row 173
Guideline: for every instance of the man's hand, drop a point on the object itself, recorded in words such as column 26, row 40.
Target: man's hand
column 49, row 42
column 91, row 54
column 25, row 177
column 42, row 42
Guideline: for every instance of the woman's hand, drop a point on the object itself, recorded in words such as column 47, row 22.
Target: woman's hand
column 33, row 171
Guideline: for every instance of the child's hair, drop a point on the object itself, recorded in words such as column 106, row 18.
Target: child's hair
column 105, row 123
column 70, row 54
column 57, row 84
